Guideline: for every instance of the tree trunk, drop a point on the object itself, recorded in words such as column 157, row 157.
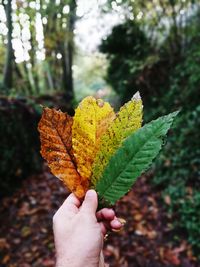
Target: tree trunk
column 49, row 83
column 8, row 69
column 175, row 42
column 67, row 56
column 32, row 54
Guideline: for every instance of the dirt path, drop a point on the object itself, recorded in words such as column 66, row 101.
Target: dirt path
column 26, row 228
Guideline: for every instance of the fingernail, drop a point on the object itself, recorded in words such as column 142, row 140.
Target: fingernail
column 91, row 193
column 122, row 221
column 117, row 230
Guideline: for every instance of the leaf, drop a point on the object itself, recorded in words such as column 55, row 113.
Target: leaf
column 128, row 120
column 55, row 129
column 92, row 117
column 132, row 158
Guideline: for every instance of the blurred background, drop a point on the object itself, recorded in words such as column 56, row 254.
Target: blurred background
column 55, row 52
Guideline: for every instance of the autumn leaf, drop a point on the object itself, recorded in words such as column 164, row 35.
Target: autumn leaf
column 100, row 149
column 127, row 121
column 91, row 119
column 55, row 129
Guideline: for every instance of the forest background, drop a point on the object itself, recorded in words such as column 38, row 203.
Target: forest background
column 54, row 53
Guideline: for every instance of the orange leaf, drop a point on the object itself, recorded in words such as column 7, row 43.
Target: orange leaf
column 55, row 129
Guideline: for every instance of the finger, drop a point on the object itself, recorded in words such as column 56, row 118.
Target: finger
column 105, row 214
column 101, row 260
column 90, row 202
column 72, row 200
column 116, row 224
column 103, row 228
column 71, row 204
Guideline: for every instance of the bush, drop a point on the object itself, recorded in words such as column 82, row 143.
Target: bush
column 179, row 162
column 126, row 58
column 19, row 146
column 178, row 175
column 177, row 170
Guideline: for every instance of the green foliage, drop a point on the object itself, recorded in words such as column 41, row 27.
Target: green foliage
column 134, row 157
column 126, row 58
column 181, row 158
column 171, row 81
column 19, row 147
column 177, row 170
column 189, row 210
column 185, row 209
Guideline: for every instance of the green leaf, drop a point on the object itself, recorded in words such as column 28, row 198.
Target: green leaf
column 132, row 158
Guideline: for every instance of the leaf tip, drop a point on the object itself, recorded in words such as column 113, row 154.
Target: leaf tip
column 173, row 115
column 176, row 112
column 136, row 96
column 100, row 102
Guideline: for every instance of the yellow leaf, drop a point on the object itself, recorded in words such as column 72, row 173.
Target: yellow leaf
column 128, row 120
column 55, row 129
column 91, row 119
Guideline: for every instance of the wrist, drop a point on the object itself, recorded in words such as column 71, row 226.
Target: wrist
column 78, row 262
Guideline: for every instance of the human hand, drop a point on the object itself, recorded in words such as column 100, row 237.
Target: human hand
column 79, row 231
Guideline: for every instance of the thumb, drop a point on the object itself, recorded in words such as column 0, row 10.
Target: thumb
column 90, row 202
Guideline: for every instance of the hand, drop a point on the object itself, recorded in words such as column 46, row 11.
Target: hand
column 79, row 231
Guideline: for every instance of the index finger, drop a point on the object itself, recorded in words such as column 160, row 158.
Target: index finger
column 71, row 204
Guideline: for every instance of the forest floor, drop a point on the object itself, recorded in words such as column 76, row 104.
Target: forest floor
column 26, row 238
